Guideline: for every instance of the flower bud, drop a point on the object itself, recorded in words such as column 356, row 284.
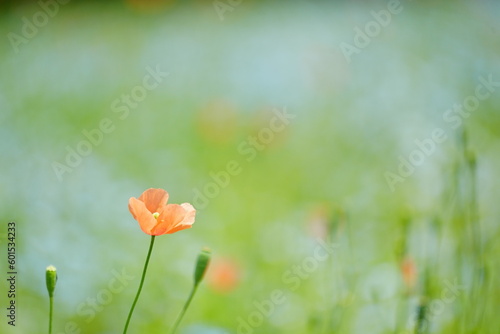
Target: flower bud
column 201, row 265
column 51, row 279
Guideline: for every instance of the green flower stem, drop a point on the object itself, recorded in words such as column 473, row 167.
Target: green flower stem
column 50, row 281
column 51, row 307
column 184, row 309
column 141, row 284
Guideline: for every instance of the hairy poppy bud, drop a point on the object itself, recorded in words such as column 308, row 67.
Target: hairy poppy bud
column 51, row 279
column 201, row 265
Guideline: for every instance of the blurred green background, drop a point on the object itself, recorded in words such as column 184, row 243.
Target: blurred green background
column 232, row 66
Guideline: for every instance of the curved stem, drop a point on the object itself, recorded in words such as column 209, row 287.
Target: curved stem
column 51, row 307
column 184, row 309
column 140, row 285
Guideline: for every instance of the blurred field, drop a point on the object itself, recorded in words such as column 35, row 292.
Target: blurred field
column 323, row 175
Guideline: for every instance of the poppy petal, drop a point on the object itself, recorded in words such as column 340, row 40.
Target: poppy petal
column 170, row 216
column 178, row 228
column 187, row 221
column 190, row 213
column 154, row 199
column 141, row 213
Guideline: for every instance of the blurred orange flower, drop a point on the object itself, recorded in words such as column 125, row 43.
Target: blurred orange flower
column 224, row 275
column 318, row 222
column 156, row 217
column 409, row 272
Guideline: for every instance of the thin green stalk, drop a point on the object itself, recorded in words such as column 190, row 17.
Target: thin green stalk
column 50, row 281
column 140, row 285
column 51, row 307
column 184, row 309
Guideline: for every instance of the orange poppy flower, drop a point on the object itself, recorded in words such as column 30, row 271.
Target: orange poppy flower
column 156, row 217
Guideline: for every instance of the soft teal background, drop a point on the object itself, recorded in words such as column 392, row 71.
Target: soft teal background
column 352, row 122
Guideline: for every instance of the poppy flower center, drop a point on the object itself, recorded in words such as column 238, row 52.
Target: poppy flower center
column 155, row 215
